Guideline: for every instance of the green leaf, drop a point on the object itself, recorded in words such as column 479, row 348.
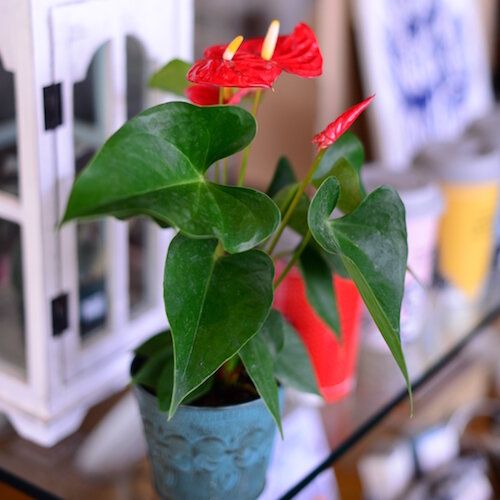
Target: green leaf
column 292, row 366
column 319, row 288
column 172, row 77
column 347, row 146
column 160, row 342
column 259, row 362
column 333, row 260
column 298, row 220
column 350, row 185
column 283, row 176
column 372, row 243
column 165, row 387
column 157, row 370
column 214, row 306
column 273, row 334
column 149, row 374
column 155, row 165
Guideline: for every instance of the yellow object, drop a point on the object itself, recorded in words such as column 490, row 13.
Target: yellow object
column 270, row 41
column 466, row 234
column 231, row 49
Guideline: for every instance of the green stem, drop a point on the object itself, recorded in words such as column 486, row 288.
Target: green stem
column 244, row 160
column 294, row 259
column 295, row 201
column 416, row 278
column 282, row 255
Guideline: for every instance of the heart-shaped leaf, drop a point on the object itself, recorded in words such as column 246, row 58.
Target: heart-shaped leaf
column 259, row 364
column 347, row 146
column 319, row 287
column 149, row 374
column 214, row 306
column 156, row 372
column 155, row 165
column 372, row 244
column 283, row 176
column 350, row 185
column 172, row 77
column 298, row 220
column 160, row 342
column 292, row 365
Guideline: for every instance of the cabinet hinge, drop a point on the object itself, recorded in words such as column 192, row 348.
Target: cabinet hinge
column 52, row 103
column 59, row 314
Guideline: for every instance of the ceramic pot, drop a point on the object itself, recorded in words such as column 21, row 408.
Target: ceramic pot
column 208, row 453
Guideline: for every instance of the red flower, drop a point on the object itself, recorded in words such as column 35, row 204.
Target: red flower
column 206, row 95
column 297, row 53
column 340, row 125
column 229, row 67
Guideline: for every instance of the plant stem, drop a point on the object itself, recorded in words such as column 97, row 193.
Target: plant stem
column 294, row 259
column 295, row 201
column 416, row 278
column 244, row 161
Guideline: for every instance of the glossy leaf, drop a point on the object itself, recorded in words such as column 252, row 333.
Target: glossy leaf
column 149, row 374
column 350, row 185
column 333, row 260
column 155, row 165
column 372, row 244
column 298, row 220
column 214, row 306
column 259, row 364
column 283, row 176
column 292, row 365
column 165, row 387
column 160, row 342
column 319, row 288
column 157, row 370
column 172, row 77
column 340, row 125
column 347, row 146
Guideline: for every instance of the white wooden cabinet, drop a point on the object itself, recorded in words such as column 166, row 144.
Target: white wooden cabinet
column 74, row 301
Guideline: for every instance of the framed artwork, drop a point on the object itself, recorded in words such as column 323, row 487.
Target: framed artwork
column 427, row 63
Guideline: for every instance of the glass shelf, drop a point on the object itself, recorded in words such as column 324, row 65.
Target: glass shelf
column 379, row 389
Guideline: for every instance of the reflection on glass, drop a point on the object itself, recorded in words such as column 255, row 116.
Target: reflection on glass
column 12, row 345
column 89, row 130
column 8, row 139
column 92, row 276
column 136, row 77
column 138, row 264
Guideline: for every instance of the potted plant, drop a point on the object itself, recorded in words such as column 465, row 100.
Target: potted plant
column 227, row 347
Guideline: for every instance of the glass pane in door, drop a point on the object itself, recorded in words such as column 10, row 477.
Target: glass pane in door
column 12, row 339
column 89, row 134
column 140, row 229
column 8, row 134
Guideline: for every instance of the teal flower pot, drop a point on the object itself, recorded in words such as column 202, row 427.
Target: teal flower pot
column 208, row 453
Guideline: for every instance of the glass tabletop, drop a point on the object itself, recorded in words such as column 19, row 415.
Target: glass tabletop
column 107, row 458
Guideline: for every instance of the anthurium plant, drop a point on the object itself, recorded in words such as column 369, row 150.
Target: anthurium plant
column 170, row 163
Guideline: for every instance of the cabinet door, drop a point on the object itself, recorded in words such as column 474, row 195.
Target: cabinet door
column 111, row 270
